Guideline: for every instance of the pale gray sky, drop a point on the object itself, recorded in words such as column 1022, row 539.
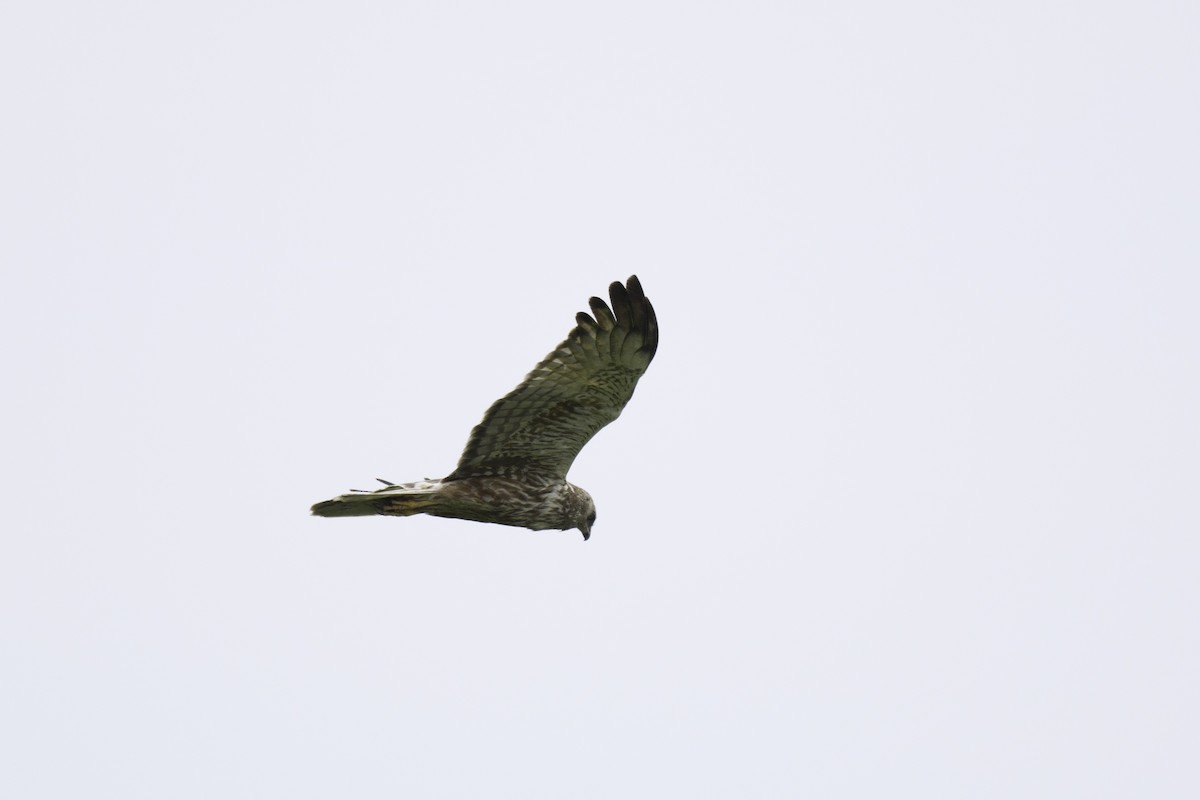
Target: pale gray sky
column 905, row 507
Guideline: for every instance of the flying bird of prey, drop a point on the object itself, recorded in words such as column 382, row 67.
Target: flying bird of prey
column 514, row 468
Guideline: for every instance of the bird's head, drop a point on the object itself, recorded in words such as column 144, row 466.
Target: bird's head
column 582, row 514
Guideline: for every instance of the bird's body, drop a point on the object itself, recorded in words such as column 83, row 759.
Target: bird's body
column 538, row 505
column 513, row 470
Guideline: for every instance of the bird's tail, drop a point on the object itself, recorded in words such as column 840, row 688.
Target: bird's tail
column 402, row 500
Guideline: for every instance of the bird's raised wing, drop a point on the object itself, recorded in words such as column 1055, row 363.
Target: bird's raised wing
column 539, row 427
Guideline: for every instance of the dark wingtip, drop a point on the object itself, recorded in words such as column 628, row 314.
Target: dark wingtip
column 641, row 312
column 622, row 305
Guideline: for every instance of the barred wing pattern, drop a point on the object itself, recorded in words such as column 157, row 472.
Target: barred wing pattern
column 539, row 428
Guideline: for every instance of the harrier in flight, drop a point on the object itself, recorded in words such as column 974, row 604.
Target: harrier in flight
column 514, row 468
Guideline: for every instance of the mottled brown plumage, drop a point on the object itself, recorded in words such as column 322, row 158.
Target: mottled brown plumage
column 513, row 470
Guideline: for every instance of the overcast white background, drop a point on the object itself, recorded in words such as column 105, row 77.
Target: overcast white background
column 905, row 507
